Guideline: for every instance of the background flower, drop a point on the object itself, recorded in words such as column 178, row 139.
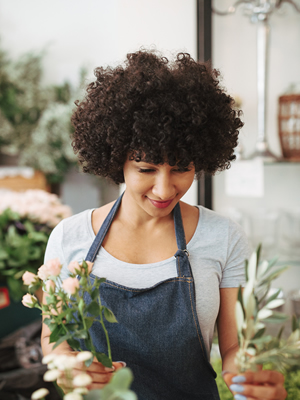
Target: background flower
column 26, row 221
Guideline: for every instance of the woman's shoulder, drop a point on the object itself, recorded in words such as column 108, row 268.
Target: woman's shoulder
column 73, row 227
column 99, row 215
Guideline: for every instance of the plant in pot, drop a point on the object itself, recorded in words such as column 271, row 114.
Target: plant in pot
column 26, row 221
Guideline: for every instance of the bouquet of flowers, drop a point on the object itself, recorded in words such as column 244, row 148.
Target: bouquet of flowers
column 69, row 319
column 254, row 309
column 26, row 221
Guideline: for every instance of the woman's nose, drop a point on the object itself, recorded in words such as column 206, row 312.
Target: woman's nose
column 163, row 187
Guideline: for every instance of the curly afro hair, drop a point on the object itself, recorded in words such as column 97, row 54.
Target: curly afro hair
column 157, row 111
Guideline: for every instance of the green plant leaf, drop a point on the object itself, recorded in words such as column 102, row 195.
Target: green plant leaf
column 295, row 323
column 93, row 308
column 273, row 297
column 273, row 275
column 56, row 334
column 239, row 315
column 95, row 293
column 118, row 387
column 263, row 339
column 280, row 333
column 89, row 322
column 61, row 340
column 109, row 315
column 259, row 333
column 104, row 359
column 3, row 254
column 73, row 343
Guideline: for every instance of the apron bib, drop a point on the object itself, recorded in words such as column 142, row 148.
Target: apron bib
column 158, row 334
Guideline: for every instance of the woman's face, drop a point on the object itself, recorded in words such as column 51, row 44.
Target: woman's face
column 156, row 189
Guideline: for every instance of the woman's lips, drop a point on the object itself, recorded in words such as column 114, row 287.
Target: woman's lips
column 160, row 204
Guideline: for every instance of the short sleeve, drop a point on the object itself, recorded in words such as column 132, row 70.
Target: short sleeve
column 238, row 250
column 54, row 248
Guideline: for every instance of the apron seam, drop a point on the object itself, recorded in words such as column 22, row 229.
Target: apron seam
column 195, row 322
column 180, row 279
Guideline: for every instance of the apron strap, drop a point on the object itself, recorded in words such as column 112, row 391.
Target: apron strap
column 182, row 262
column 94, row 249
column 181, row 255
column 179, row 231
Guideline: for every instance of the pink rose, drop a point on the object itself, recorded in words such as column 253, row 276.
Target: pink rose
column 29, row 278
column 51, row 268
column 70, row 285
column 29, row 300
column 74, row 267
column 43, row 273
column 54, row 267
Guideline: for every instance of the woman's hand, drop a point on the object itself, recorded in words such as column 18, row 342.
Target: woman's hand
column 100, row 374
column 260, row 385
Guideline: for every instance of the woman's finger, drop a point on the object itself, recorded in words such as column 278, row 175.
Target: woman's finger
column 268, row 392
column 264, row 376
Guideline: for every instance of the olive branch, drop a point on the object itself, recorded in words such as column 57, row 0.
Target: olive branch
column 254, row 308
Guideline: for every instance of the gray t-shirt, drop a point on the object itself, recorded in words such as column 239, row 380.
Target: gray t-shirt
column 217, row 251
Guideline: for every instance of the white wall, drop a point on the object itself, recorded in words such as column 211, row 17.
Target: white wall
column 90, row 33
column 234, row 53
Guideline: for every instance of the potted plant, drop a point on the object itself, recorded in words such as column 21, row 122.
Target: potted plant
column 26, row 221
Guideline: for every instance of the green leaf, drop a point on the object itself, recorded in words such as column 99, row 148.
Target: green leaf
column 273, row 275
column 239, row 315
column 89, row 322
column 82, row 334
column 98, row 281
column 61, row 340
column 109, row 315
column 118, row 387
column 95, row 293
column 277, row 318
column 252, row 265
column 47, row 321
column 275, row 303
column 280, row 333
column 56, row 334
column 258, row 252
column 93, row 308
column 122, row 379
column 95, row 394
column 73, row 343
column 295, row 323
column 263, row 339
column 273, row 297
column 3, row 254
column 259, row 333
column 104, row 359
column 246, row 270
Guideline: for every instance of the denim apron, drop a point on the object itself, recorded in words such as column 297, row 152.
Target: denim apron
column 158, row 334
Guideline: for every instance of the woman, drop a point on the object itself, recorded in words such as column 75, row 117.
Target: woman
column 156, row 127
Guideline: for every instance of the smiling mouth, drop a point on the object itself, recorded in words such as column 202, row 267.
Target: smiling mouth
column 160, row 204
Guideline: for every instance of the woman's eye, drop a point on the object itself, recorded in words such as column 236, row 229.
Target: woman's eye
column 145, row 170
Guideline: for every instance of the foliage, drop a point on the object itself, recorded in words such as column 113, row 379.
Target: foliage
column 26, row 221
column 69, row 318
column 22, row 247
column 34, row 119
column 254, row 308
column 291, row 381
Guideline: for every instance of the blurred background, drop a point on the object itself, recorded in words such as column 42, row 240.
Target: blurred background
column 48, row 51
